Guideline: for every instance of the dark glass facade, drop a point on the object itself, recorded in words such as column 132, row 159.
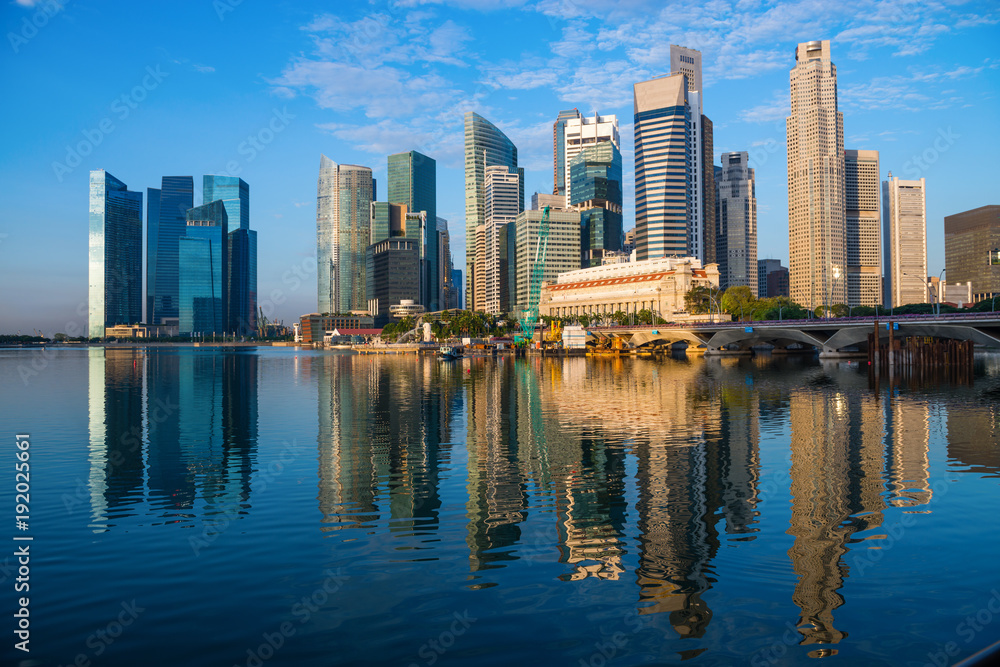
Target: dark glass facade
column 234, row 194
column 241, row 317
column 596, row 186
column 166, row 222
column 413, row 181
column 392, row 268
column 115, row 254
column 203, row 260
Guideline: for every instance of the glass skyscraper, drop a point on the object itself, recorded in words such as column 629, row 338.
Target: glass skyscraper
column 203, row 256
column 234, row 193
column 485, row 146
column 241, row 318
column 663, row 167
column 413, row 181
column 166, row 223
column 344, row 194
column 115, row 254
column 596, row 191
column 559, row 150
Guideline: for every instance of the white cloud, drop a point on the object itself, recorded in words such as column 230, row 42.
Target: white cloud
column 777, row 108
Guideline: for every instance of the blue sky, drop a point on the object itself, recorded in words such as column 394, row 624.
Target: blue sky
column 262, row 89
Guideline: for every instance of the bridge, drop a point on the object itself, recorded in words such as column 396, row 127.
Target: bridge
column 833, row 337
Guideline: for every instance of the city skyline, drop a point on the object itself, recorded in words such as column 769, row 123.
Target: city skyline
column 917, row 97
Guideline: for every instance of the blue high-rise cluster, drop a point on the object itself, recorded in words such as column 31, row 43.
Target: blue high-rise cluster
column 201, row 278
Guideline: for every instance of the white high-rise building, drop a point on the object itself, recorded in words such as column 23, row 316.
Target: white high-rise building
column 578, row 133
column 904, row 218
column 503, row 188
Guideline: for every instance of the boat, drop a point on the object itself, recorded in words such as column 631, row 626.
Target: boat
column 448, row 352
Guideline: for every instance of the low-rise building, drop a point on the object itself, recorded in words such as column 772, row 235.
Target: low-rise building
column 657, row 285
column 313, row 327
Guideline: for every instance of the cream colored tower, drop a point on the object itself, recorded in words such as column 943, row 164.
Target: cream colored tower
column 817, row 244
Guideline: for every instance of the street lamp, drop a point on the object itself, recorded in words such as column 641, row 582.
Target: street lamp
column 940, row 291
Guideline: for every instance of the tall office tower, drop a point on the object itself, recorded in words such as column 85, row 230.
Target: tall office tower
column 562, row 252
column 457, row 286
column 861, row 215
column 115, row 254
column 203, row 259
column 772, row 278
column 343, row 232
column 502, row 206
column 444, row 264
column 736, row 237
column 391, row 266
column 413, row 181
column 240, row 315
column 972, row 250
column 904, row 217
column 596, row 187
column 581, row 133
column 165, row 224
column 701, row 225
column 485, row 146
column 817, row 243
column 663, row 164
column 559, row 150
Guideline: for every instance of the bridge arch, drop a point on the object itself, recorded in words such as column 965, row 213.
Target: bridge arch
column 667, row 336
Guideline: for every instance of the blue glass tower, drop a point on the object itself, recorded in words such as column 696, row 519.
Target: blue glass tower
column 413, row 181
column 203, row 261
column 596, row 190
column 234, row 193
column 241, row 248
column 115, row 254
column 166, row 223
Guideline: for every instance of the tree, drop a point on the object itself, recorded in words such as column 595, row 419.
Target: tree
column 619, row 317
column 738, row 301
column 841, row 310
column 584, row 320
column 699, row 299
column 645, row 316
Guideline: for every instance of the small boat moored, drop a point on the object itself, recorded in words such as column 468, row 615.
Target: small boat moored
column 448, row 352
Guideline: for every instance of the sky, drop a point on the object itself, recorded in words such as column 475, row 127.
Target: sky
column 262, row 89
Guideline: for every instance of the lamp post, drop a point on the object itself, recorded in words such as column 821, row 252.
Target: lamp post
column 940, row 291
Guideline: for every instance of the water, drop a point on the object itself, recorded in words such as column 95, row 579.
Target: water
column 241, row 507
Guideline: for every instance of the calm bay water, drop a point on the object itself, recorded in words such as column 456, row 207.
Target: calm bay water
column 241, row 507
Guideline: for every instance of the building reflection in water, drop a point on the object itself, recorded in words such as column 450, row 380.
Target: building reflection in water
column 166, row 427
column 974, row 434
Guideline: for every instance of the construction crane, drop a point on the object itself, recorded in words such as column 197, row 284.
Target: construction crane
column 529, row 316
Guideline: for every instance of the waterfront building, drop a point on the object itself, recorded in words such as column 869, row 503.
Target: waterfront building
column 663, row 165
column 701, row 226
column 736, row 233
column 314, row 326
column 905, row 222
column 816, row 226
column 412, row 180
column 657, row 285
column 457, row 284
column 562, row 250
column 241, row 267
column 115, row 254
column 485, row 146
column 390, row 272
column 502, row 207
column 596, row 191
column 583, row 132
column 772, row 278
column 203, row 260
column 166, row 223
column 863, row 228
column 343, row 233
column 972, row 250
column 444, row 263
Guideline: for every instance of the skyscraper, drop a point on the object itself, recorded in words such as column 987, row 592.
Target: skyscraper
column 663, row 165
column 559, row 150
column 736, row 235
column 905, row 221
column 413, row 181
column 203, row 259
column 165, row 224
column 701, row 225
column 816, row 227
column 444, row 263
column 343, row 232
column 596, row 191
column 240, row 305
column 485, row 146
column 581, row 133
column 115, row 254
column 503, row 189
column 861, row 215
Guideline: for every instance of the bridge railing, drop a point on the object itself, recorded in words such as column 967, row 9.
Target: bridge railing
column 865, row 319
